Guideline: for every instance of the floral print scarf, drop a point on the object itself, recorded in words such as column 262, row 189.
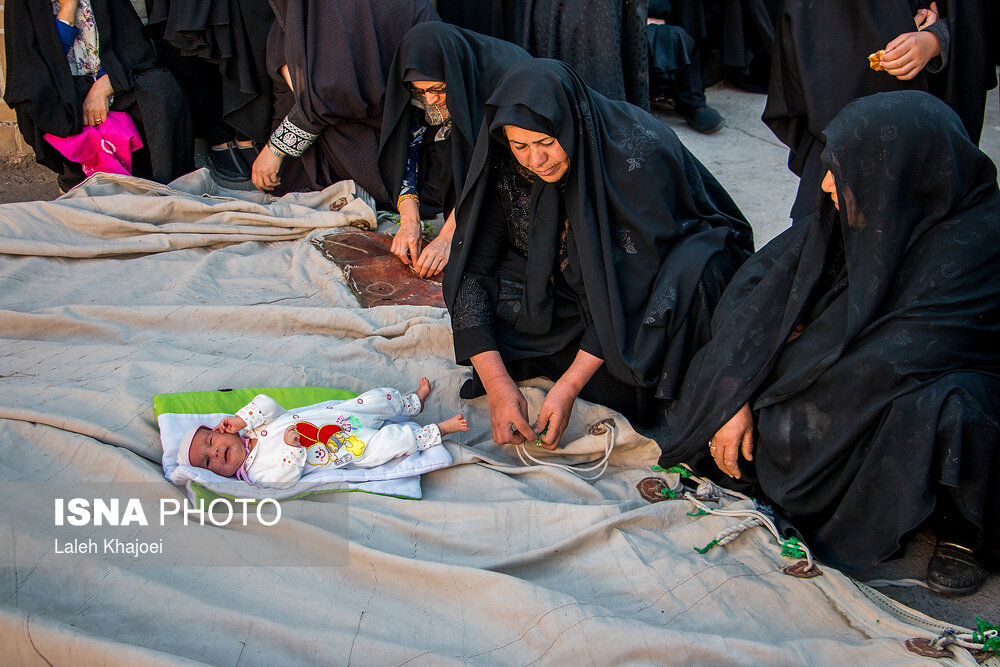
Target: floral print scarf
column 84, row 57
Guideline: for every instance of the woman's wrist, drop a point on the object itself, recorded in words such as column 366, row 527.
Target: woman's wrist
column 580, row 372
column 405, row 199
column 569, row 385
column 492, row 371
column 498, row 384
column 276, row 151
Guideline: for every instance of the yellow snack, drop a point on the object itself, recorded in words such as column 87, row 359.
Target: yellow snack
column 875, row 60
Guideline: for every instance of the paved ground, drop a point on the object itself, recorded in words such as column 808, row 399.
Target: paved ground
column 750, row 163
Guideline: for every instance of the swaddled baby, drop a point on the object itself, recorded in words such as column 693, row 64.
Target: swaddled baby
column 266, row 445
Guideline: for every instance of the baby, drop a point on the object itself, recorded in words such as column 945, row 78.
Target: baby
column 278, row 446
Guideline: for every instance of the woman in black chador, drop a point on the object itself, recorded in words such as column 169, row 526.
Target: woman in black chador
column 820, row 63
column 438, row 85
column 329, row 61
column 591, row 248
column 70, row 63
column 855, row 357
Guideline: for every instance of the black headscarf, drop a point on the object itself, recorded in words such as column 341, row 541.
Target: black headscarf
column 819, row 64
column 645, row 215
column 893, row 385
column 469, row 64
column 49, row 99
column 338, row 55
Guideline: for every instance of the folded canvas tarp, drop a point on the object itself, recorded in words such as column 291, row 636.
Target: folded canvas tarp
column 122, row 290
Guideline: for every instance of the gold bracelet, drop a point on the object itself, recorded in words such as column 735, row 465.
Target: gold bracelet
column 403, row 198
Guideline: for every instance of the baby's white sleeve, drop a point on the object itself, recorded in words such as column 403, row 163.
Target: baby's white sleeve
column 261, row 410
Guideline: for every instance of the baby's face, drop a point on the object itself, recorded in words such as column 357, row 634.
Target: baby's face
column 222, row 453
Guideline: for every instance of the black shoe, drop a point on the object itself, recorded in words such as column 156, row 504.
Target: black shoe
column 704, row 119
column 227, row 164
column 954, row 571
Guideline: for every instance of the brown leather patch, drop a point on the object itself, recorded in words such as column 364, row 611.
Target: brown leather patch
column 650, row 488
column 374, row 274
column 799, row 570
column 923, row 647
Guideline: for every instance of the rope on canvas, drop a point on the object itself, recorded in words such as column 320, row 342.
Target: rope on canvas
column 602, row 465
column 790, row 548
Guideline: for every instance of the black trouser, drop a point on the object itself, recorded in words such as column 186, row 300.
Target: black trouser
column 670, row 77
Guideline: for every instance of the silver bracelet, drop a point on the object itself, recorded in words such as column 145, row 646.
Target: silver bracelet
column 275, row 150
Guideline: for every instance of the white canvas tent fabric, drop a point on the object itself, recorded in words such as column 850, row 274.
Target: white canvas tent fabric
column 125, row 289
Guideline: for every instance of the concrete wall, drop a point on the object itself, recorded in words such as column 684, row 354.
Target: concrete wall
column 13, row 150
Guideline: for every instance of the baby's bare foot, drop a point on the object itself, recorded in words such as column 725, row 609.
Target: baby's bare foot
column 423, row 391
column 454, row 425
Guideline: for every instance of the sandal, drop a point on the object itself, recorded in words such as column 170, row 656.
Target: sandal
column 953, row 570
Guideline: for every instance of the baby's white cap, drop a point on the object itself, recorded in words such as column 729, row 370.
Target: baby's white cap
column 184, row 451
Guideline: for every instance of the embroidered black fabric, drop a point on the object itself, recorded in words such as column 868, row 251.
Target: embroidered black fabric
column 292, row 140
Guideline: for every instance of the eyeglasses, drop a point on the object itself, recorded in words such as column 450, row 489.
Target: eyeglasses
column 424, row 92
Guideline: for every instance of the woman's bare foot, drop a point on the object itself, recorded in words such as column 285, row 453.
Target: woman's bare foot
column 423, row 391
column 453, row 425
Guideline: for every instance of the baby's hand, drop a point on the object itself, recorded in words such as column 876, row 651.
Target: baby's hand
column 231, row 425
column 291, row 437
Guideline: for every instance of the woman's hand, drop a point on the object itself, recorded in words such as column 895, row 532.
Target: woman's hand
column 407, row 241
column 508, row 409
column 734, row 437
column 435, row 256
column 558, row 404
column 96, row 103
column 231, row 425
column 509, row 414
column 925, row 17
column 265, row 170
column 909, row 53
column 554, row 415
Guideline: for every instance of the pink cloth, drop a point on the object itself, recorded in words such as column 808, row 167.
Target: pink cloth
column 103, row 148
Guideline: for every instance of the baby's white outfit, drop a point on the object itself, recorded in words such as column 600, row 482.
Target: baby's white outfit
column 365, row 431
